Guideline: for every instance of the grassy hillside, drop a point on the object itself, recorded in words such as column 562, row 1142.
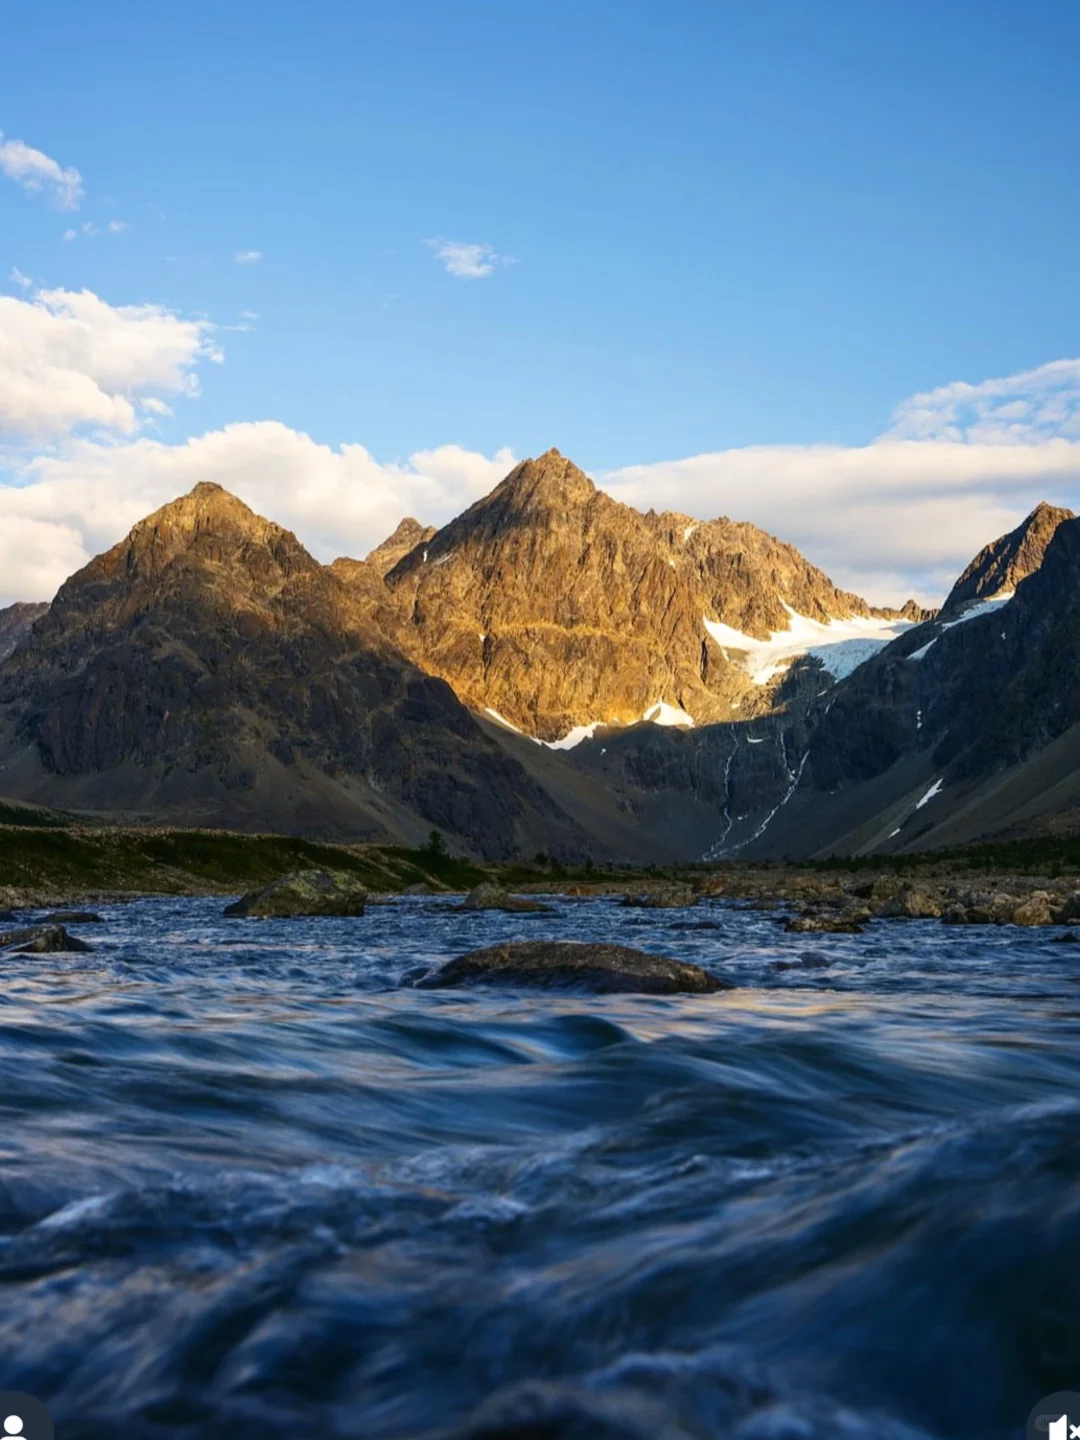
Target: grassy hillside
column 199, row 861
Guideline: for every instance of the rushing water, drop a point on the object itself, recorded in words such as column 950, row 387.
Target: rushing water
column 255, row 1185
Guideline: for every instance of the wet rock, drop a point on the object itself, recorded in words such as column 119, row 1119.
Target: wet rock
column 808, row 960
column 550, row 964
column 826, row 924
column 675, row 898
column 1069, row 912
column 493, row 897
column 1070, row 937
column 71, row 917
column 911, row 904
column 306, row 892
column 1037, row 909
column 41, row 940
column 420, row 888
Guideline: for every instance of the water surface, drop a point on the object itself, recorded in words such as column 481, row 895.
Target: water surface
column 254, row 1184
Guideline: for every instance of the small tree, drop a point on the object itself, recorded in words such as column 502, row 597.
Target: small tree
column 435, row 849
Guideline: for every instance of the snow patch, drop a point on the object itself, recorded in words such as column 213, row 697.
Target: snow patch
column 894, row 832
column 573, row 737
column 502, row 720
column 751, row 741
column 841, row 645
column 664, row 714
column 981, row 607
column 935, row 789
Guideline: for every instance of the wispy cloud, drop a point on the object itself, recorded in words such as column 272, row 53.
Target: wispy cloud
column 34, row 170
column 248, row 257
column 24, row 282
column 467, row 261
column 1020, row 409
column 117, row 227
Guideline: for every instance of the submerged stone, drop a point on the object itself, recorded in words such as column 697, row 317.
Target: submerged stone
column 304, row 893
column 40, row 940
column 550, row 964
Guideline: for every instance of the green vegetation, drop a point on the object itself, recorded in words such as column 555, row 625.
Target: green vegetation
column 1041, row 855
column 198, row 861
column 28, row 815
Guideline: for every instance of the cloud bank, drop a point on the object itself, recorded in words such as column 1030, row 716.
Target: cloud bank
column 81, row 380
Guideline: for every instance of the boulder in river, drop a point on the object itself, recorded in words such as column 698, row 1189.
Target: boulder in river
column 40, row 940
column 675, row 897
column 71, row 917
column 827, row 924
column 304, row 893
column 553, row 964
column 911, row 903
column 493, row 897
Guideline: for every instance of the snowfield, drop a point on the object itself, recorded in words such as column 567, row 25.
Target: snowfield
column 841, row 645
column 980, row 608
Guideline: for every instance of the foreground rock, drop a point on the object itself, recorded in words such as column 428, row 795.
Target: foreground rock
column 491, row 897
column 675, row 898
column 827, row 924
column 307, row 892
column 40, row 940
column 551, row 964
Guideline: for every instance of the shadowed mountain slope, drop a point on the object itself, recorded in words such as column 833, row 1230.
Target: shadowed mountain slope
column 15, row 624
column 208, row 669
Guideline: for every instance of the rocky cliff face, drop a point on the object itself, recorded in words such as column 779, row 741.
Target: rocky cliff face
column 208, row 668
column 15, row 624
column 1002, row 564
column 556, row 606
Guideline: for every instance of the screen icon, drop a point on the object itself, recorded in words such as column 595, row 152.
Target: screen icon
column 23, row 1417
column 1055, row 1418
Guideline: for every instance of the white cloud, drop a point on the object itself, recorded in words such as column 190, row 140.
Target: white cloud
column 248, row 257
column 468, row 262
column 888, row 519
column 34, row 170
column 71, row 234
column 1035, row 405
column 338, row 501
column 24, row 282
column 117, row 227
column 959, row 466
column 69, row 359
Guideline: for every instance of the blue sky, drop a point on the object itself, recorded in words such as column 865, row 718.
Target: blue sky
column 713, row 225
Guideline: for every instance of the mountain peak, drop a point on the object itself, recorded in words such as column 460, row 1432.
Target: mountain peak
column 1001, row 565
column 549, row 480
column 395, row 547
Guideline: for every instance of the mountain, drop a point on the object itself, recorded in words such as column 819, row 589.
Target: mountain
column 556, row 607
column 408, row 535
column 15, row 623
column 964, row 728
column 209, row 670
column 1005, row 562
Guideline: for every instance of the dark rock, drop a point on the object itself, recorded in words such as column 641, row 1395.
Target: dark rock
column 307, row 892
column 825, row 925
column 421, row 887
column 550, row 964
column 7, row 917
column 71, row 917
column 1070, row 937
column 675, row 898
column 41, row 940
column 492, row 897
